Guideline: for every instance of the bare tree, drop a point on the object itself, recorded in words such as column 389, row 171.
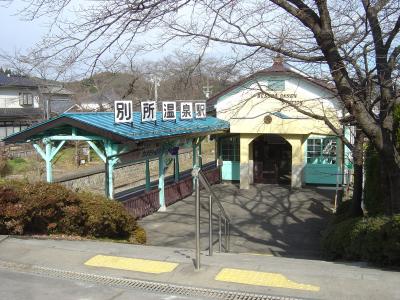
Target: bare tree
column 354, row 44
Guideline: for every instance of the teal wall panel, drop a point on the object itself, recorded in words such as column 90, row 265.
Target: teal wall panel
column 321, row 174
column 231, row 170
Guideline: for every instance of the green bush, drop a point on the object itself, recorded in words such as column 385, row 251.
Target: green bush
column 4, row 167
column 45, row 208
column 374, row 239
column 372, row 191
column 397, row 124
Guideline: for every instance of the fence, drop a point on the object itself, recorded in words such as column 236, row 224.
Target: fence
column 147, row 203
column 20, row 150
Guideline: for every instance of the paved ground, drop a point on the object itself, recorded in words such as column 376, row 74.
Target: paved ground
column 20, row 286
column 48, row 269
column 267, row 219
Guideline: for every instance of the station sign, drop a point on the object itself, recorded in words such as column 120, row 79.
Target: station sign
column 123, row 111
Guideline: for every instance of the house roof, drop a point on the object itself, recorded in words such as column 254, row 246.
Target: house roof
column 55, row 90
column 59, row 106
column 277, row 68
column 26, row 112
column 102, row 124
column 16, row 81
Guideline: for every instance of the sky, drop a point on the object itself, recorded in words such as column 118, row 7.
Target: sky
column 18, row 35
column 15, row 33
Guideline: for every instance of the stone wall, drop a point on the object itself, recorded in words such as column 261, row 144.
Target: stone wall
column 125, row 177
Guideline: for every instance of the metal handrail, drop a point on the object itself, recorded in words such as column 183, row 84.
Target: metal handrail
column 207, row 186
column 227, row 220
column 198, row 177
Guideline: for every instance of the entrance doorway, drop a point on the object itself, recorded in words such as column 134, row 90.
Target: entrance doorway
column 272, row 157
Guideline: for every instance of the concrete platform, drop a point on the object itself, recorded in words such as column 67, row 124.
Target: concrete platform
column 264, row 275
column 266, row 219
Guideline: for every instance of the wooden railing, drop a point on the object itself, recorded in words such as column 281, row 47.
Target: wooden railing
column 146, row 203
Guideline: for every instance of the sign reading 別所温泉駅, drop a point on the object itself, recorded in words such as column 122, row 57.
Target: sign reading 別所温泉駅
column 123, row 111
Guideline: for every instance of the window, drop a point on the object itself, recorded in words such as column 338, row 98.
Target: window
column 321, row 150
column 7, row 128
column 276, row 85
column 230, row 148
column 25, row 99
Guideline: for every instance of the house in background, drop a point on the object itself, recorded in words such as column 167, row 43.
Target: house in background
column 25, row 101
column 56, row 99
column 272, row 142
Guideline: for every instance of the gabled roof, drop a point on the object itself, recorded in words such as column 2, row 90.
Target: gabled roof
column 278, row 68
column 102, row 124
column 55, row 89
column 16, row 81
column 25, row 112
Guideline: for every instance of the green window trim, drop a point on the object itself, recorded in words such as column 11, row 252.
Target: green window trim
column 229, row 148
column 275, row 85
column 322, row 150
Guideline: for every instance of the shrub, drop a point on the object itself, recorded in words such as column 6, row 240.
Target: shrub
column 372, row 191
column 342, row 211
column 4, row 166
column 44, row 208
column 106, row 218
column 375, row 239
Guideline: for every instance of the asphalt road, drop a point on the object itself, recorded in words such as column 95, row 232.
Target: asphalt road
column 21, row 286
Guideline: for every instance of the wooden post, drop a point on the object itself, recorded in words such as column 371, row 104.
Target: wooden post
column 49, row 169
column 147, row 175
column 176, row 167
column 161, row 183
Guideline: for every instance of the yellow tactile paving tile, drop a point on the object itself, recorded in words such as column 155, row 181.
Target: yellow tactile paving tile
column 131, row 264
column 262, row 279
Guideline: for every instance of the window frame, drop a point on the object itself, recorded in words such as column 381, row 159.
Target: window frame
column 273, row 86
column 316, row 152
column 229, row 148
column 26, row 99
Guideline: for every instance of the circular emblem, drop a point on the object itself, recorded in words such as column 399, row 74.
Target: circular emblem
column 267, row 119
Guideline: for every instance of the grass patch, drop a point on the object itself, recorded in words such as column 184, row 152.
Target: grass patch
column 18, row 165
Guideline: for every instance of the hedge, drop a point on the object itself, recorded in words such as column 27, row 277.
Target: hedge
column 44, row 208
column 372, row 191
column 374, row 239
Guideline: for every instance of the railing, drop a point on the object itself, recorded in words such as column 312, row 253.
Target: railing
column 223, row 217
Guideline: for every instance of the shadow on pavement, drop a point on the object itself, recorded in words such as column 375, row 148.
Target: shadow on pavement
column 266, row 219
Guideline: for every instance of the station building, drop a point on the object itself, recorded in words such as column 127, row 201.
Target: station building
column 272, row 137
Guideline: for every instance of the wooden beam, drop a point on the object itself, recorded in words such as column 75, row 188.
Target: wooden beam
column 55, row 150
column 39, row 150
column 97, row 150
column 75, row 138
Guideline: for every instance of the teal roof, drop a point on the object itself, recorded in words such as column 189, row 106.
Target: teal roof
column 102, row 124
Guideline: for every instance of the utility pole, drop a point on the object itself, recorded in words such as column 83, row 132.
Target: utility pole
column 207, row 90
column 156, row 81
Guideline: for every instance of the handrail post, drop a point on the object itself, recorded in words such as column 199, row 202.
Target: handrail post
column 210, row 237
column 220, row 232
column 197, row 183
column 226, row 235
column 229, row 236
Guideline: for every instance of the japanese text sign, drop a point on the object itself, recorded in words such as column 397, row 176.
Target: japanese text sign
column 186, row 110
column 169, row 111
column 123, row 111
column 200, row 110
column 148, row 111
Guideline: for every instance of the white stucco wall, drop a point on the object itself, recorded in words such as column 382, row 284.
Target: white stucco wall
column 9, row 98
